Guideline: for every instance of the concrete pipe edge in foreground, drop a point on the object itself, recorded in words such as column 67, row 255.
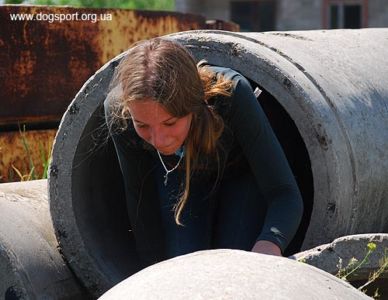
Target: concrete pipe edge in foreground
column 31, row 266
column 232, row 274
column 330, row 86
column 330, row 257
column 348, row 256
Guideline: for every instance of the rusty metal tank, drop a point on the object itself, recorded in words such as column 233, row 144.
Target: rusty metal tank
column 45, row 61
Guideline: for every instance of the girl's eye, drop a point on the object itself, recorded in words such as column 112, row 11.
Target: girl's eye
column 170, row 124
column 141, row 126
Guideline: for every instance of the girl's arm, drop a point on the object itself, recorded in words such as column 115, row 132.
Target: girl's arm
column 270, row 167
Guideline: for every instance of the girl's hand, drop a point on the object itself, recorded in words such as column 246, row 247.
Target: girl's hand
column 267, row 247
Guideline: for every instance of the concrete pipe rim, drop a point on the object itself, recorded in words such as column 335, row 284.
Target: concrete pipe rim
column 75, row 240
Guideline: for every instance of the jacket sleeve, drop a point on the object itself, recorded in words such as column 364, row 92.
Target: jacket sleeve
column 269, row 165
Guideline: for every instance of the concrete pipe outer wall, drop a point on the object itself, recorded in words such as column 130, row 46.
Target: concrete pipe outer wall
column 31, row 266
column 326, row 97
column 232, row 274
column 337, row 256
column 339, row 253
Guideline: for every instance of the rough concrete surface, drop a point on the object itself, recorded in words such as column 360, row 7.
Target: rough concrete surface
column 338, row 105
column 31, row 267
column 232, row 274
column 330, row 257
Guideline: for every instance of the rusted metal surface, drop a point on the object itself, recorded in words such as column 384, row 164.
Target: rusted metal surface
column 222, row 25
column 43, row 64
column 18, row 148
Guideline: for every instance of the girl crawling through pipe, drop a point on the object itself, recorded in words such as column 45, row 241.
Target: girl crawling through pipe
column 201, row 165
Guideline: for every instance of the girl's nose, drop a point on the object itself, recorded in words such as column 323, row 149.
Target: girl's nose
column 158, row 139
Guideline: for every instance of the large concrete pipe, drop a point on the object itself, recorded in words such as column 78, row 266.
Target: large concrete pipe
column 325, row 94
column 31, row 266
column 232, row 274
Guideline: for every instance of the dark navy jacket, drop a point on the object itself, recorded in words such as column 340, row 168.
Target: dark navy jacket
column 248, row 134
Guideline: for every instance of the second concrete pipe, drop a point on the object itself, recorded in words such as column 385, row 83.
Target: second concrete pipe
column 326, row 95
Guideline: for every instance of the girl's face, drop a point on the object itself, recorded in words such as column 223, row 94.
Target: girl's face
column 157, row 127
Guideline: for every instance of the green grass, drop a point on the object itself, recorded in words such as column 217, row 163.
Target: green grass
column 31, row 173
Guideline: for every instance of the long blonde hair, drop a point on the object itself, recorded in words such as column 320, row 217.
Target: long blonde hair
column 164, row 71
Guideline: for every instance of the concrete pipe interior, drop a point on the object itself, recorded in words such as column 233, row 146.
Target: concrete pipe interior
column 98, row 192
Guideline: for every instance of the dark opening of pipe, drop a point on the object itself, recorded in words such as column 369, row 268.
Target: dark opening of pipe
column 297, row 156
column 98, row 192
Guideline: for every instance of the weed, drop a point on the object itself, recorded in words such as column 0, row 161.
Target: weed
column 23, row 177
column 376, row 274
column 27, row 149
column 354, row 265
column 44, row 156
